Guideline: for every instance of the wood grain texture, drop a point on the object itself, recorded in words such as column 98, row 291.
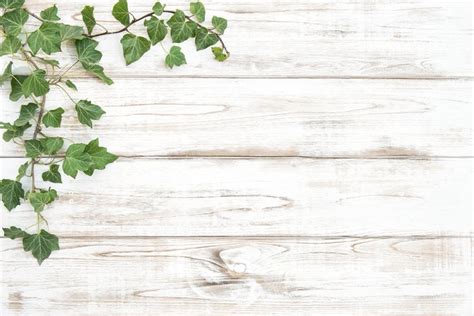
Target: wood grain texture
column 261, row 117
column 261, row 197
column 245, row 276
column 317, row 38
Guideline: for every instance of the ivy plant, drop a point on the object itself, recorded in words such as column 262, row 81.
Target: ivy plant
column 34, row 39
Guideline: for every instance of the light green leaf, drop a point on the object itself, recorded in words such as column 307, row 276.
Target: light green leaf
column 13, row 21
column 14, row 232
column 40, row 199
column 22, row 170
column 158, row 8
column 13, row 131
column 41, row 245
column 86, row 112
column 16, row 87
column 76, row 160
column 198, row 10
column 53, row 118
column 51, row 62
column 7, row 73
column 219, row 53
column 71, row 85
column 181, row 29
column 52, row 175
column 88, row 18
column 27, row 112
column 11, row 4
column 35, row 84
column 99, row 156
column 51, row 145
column 10, row 45
column 120, row 12
column 11, row 192
column 50, row 14
column 33, row 148
column 89, row 57
column 69, row 32
column 156, row 30
column 46, row 38
column 177, row 17
column 98, row 71
column 204, row 39
column 175, row 57
column 134, row 47
column 220, row 24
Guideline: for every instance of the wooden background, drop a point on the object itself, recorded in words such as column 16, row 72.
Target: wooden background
column 326, row 168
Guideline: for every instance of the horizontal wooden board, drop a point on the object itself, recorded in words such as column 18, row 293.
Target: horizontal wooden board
column 317, row 38
column 260, row 197
column 261, row 117
column 244, row 276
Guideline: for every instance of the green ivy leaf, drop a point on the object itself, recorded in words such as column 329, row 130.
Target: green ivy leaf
column 220, row 24
column 33, row 148
column 50, row 14
column 121, row 13
column 76, row 160
column 53, row 118
column 27, row 112
column 88, row 18
column 71, row 85
column 175, row 57
column 69, row 32
column 10, row 45
column 51, row 62
column 11, row 4
column 46, row 38
column 52, row 175
column 22, row 170
column 35, row 84
column 13, row 21
column 7, row 74
column 11, row 192
column 14, row 232
column 181, row 29
column 156, row 30
column 219, row 53
column 86, row 112
column 89, row 57
column 16, row 87
column 158, row 8
column 40, row 199
column 51, row 145
column 99, row 155
column 204, row 39
column 41, row 245
column 13, row 131
column 177, row 17
column 134, row 47
column 198, row 10
column 98, row 71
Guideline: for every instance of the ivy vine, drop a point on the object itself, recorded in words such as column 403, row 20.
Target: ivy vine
column 50, row 155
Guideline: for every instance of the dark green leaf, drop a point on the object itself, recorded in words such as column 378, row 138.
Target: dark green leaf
column 158, row 8
column 156, row 30
column 33, row 148
column 7, row 73
column 76, row 160
column 98, row 71
column 41, row 245
column 46, row 38
column 181, row 29
column 198, row 10
column 16, row 87
column 71, row 85
column 89, row 57
column 51, row 145
column 120, row 12
column 10, row 45
column 134, row 47
column 177, row 17
column 220, row 24
column 88, row 18
column 53, row 118
column 40, row 199
column 13, row 21
column 14, row 232
column 13, row 131
column 11, row 4
column 175, row 57
column 69, row 32
column 99, row 156
column 27, row 112
column 219, row 53
column 52, row 175
column 86, row 112
column 22, row 170
column 51, row 62
column 204, row 39
column 50, row 14
column 11, row 192
column 35, row 84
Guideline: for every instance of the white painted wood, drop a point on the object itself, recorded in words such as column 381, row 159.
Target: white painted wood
column 244, row 276
column 261, row 117
column 261, row 197
column 402, row 38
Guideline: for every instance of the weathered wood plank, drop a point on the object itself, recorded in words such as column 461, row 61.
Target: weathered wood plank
column 402, row 38
column 261, row 117
column 261, row 197
column 245, row 276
